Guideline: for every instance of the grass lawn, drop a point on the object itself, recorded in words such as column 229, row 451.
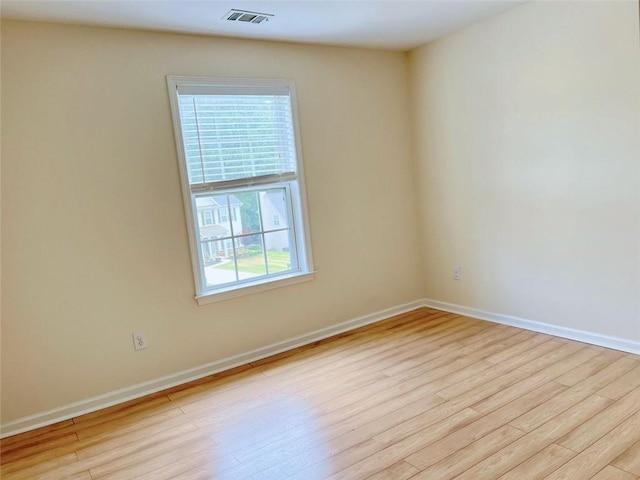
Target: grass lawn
column 278, row 262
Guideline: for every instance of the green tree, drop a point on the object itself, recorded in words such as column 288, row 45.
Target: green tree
column 250, row 216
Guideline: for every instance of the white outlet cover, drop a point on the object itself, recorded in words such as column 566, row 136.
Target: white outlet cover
column 457, row 272
column 139, row 340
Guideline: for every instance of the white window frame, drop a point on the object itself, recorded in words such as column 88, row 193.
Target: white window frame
column 298, row 198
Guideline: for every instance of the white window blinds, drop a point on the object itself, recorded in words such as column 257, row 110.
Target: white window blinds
column 234, row 137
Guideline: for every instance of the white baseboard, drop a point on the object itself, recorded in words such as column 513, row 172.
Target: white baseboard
column 615, row 343
column 140, row 390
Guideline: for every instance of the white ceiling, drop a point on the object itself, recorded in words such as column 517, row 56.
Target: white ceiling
column 388, row 24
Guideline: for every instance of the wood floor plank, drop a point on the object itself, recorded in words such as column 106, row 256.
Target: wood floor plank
column 364, row 345
column 541, row 464
column 528, row 445
column 612, row 473
column 79, row 476
column 463, row 459
column 113, row 457
column 34, row 446
column 422, row 316
column 450, row 444
column 424, row 420
column 553, row 357
column 533, row 381
column 577, row 393
column 317, row 463
column 43, row 432
column 629, row 460
column 207, row 469
column 424, row 395
column 589, row 367
column 353, row 431
column 593, row 429
column 517, row 349
column 526, row 402
column 601, row 453
column 465, row 355
column 622, row 385
column 338, row 433
column 461, row 438
column 425, row 355
column 105, row 443
column 133, row 468
column 349, row 447
column 398, row 471
column 40, row 459
column 266, row 386
column 399, row 450
column 24, row 470
column 469, row 384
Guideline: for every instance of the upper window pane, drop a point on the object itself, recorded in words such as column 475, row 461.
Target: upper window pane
column 227, row 137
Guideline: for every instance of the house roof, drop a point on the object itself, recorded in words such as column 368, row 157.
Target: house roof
column 213, row 231
column 211, row 202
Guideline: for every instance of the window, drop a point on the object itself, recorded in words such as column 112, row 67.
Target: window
column 207, row 218
column 238, row 150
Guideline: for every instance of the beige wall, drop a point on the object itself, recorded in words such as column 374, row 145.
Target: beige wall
column 94, row 237
column 526, row 164
column 528, row 153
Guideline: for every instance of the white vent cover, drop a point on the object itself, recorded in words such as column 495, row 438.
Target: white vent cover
column 247, row 17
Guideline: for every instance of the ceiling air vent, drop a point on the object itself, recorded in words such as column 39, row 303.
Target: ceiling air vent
column 247, row 17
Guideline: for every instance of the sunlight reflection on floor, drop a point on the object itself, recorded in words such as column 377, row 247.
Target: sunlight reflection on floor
column 274, row 438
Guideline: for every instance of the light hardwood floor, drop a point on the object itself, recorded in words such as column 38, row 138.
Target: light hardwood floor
column 425, row 395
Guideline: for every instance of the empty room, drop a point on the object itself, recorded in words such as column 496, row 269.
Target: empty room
column 320, row 240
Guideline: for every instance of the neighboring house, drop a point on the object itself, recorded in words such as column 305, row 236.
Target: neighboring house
column 274, row 217
column 215, row 223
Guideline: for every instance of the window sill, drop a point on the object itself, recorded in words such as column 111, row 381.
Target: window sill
column 263, row 286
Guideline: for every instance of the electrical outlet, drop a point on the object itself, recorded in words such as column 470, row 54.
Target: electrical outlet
column 457, row 272
column 139, row 340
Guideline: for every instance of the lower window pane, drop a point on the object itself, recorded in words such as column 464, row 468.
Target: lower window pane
column 245, row 235
column 278, row 251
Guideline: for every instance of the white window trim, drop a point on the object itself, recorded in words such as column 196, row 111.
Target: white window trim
column 300, row 218
column 264, row 285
